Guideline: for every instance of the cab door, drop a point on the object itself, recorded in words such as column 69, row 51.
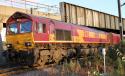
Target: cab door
column 41, row 34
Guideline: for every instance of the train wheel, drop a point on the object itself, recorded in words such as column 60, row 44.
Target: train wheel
column 43, row 58
column 41, row 61
column 57, row 55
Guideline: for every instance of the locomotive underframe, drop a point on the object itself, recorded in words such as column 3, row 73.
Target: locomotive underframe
column 47, row 53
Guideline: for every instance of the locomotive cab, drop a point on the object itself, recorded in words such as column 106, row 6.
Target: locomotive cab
column 19, row 32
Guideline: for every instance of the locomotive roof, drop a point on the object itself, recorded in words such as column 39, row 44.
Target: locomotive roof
column 17, row 15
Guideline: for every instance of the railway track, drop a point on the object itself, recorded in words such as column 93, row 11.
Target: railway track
column 20, row 69
column 14, row 70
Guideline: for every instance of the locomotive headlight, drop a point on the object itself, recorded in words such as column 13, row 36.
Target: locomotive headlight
column 9, row 45
column 28, row 44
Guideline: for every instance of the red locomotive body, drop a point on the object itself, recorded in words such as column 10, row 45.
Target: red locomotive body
column 52, row 31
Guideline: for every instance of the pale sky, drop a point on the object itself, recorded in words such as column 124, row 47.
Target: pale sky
column 108, row 6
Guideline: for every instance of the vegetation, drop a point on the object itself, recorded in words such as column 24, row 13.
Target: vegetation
column 93, row 63
column 115, row 55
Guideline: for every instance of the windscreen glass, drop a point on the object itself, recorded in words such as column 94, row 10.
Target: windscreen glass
column 20, row 27
column 13, row 28
column 25, row 27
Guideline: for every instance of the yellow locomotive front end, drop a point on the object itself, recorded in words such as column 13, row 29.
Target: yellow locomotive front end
column 20, row 42
column 19, row 38
column 19, row 33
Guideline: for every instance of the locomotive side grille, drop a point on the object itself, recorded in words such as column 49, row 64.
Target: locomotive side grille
column 59, row 35
column 67, row 35
column 63, row 35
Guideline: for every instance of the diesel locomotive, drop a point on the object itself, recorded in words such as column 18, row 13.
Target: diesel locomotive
column 35, row 40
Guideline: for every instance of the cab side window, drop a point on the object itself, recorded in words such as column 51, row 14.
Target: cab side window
column 41, row 28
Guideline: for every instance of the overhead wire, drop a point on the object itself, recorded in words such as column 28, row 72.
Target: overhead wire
column 35, row 5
